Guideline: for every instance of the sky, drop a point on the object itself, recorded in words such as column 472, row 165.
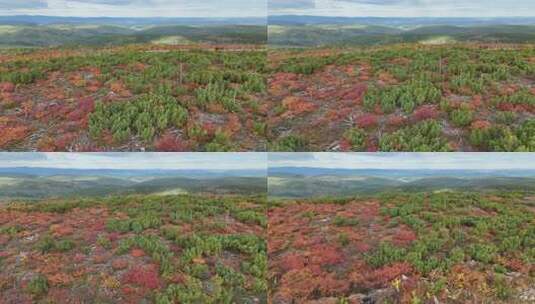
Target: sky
column 136, row 8
column 209, row 161
column 400, row 161
column 404, row 8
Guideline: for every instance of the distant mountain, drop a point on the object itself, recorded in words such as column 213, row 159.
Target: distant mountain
column 389, row 173
column 305, row 31
column 49, row 20
column 43, row 31
column 35, row 171
column 312, row 182
column 37, row 187
column 35, row 183
column 397, row 21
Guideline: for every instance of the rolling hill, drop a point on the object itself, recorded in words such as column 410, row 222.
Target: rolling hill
column 321, row 183
column 45, row 31
column 323, row 31
column 117, row 182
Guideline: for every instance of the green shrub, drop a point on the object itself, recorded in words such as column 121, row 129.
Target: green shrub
column 461, row 117
column 422, row 137
column 406, row 96
column 48, row 244
column 503, row 139
column 484, row 253
column 38, row 286
column 356, row 137
column 343, row 239
column 385, row 254
column 506, row 118
column 220, row 143
column 344, row 221
column 291, row 143
column 146, row 116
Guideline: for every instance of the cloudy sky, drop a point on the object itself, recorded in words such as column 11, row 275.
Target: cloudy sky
column 136, row 8
column 476, row 161
column 404, row 8
column 212, row 161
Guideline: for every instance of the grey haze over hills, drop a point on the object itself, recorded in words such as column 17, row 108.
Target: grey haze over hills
column 406, row 173
column 308, row 31
column 398, row 21
column 38, row 183
column 291, row 182
column 48, row 31
column 129, row 21
column 192, row 173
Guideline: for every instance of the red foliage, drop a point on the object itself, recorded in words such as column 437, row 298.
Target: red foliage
column 85, row 106
column 382, row 276
column 233, row 124
column 12, row 134
column 517, row 265
column 480, row 124
column 63, row 141
column 367, row 121
column 363, row 247
column 79, row 258
column 372, row 145
column 345, row 145
column 296, row 106
column 120, row 89
column 61, row 230
column 325, row 255
column 101, row 258
column 137, row 253
column 169, row 142
column 209, row 128
column 477, row 102
column 404, row 236
column 330, row 284
column 143, row 276
column 292, row 261
column 355, row 93
column 7, row 87
column 506, row 106
column 396, row 121
column 426, row 112
column 119, row 264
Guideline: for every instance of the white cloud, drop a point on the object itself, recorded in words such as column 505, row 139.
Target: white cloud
column 414, row 8
column 136, row 8
column 208, row 161
column 475, row 161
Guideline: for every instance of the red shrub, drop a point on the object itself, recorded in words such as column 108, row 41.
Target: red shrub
column 384, row 275
column 12, row 134
column 396, row 121
column 296, row 105
column 480, row 124
column 426, row 112
column 63, row 141
column 170, row 143
column 404, row 236
column 325, row 255
column 7, row 87
column 292, row 261
column 84, row 107
column 143, row 276
column 355, row 93
column 367, row 121
column 345, row 145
